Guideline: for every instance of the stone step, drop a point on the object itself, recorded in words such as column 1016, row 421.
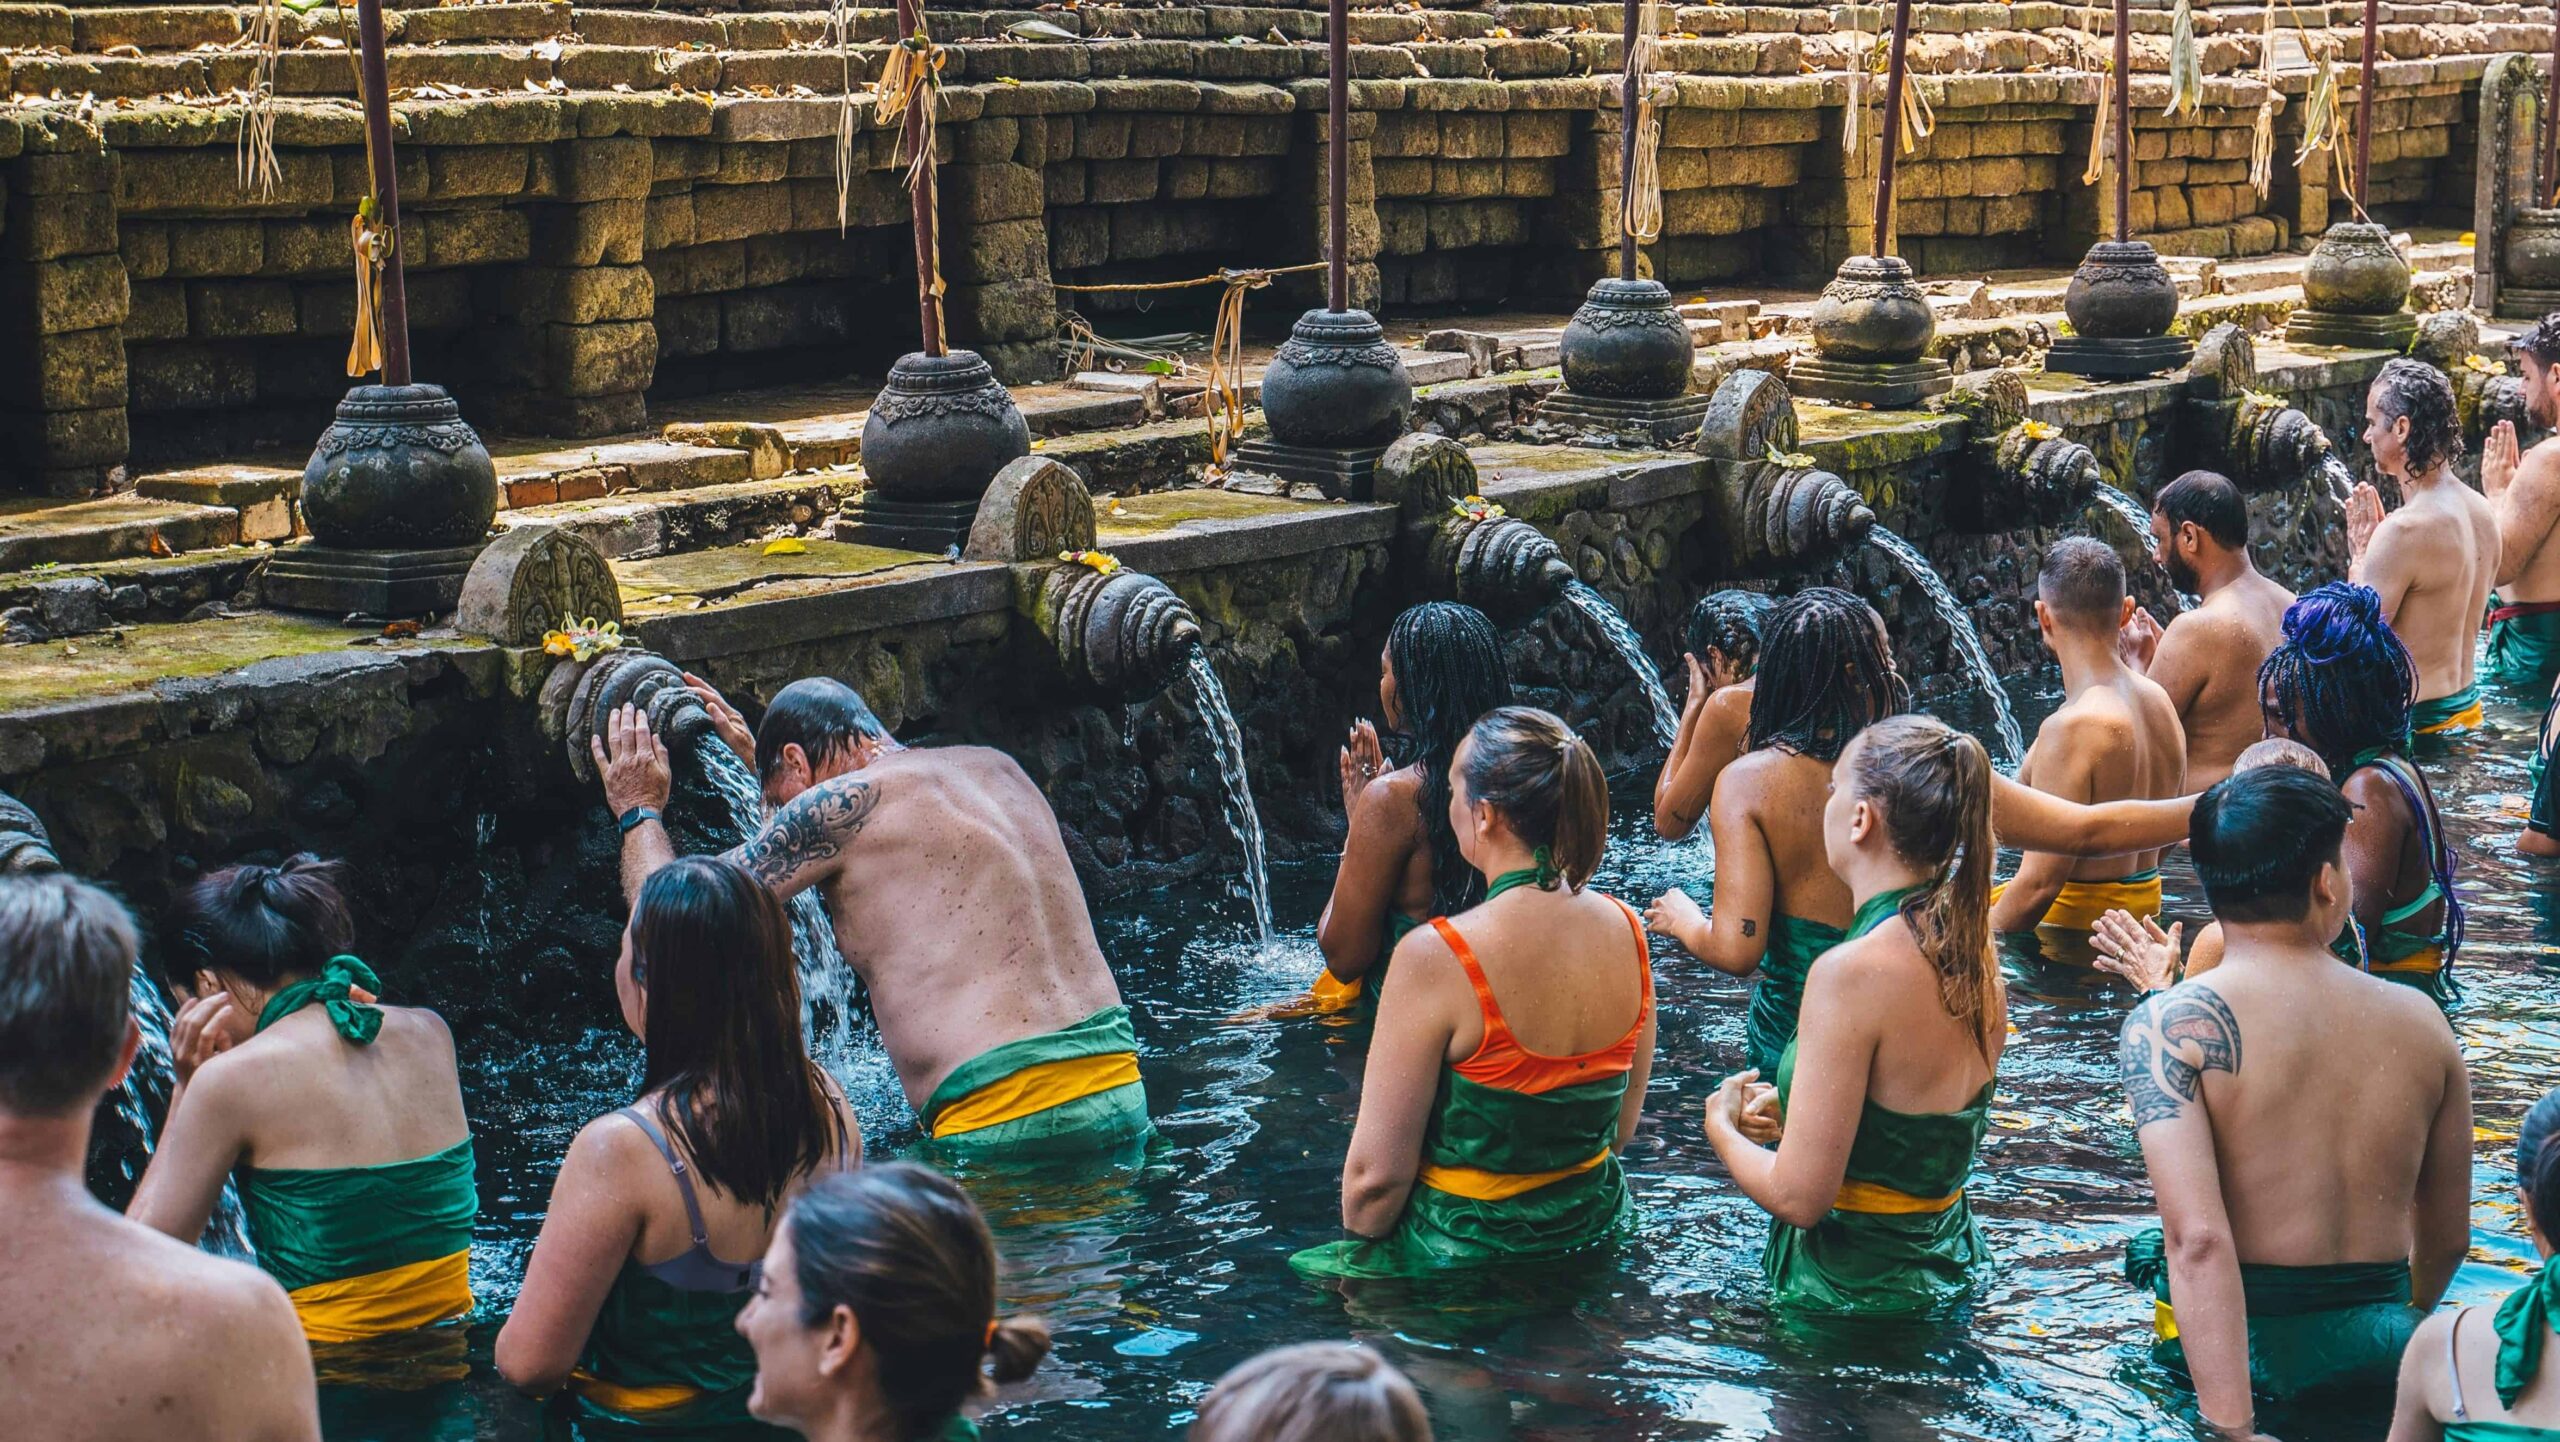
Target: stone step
column 633, row 526
column 35, row 530
column 263, row 496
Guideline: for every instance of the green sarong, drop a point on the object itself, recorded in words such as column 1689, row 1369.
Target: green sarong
column 2310, row 1328
column 1778, row 996
column 2447, row 715
column 2523, row 647
column 1900, row 1237
column 663, row 1359
column 1075, row 1090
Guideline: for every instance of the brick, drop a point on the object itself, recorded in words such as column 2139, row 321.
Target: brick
column 80, row 293
column 81, row 370
column 596, row 360
column 189, row 376
column 233, row 309
column 601, row 232
column 991, row 192
column 157, row 311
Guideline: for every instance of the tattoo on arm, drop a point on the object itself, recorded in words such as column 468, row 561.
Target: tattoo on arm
column 815, row 826
column 1750, row 927
column 2168, row 1044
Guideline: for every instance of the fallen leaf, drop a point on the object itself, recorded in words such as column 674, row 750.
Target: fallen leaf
column 787, row 546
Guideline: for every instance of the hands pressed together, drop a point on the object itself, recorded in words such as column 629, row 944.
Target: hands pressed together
column 2136, row 949
column 1362, row 761
column 1749, row 1106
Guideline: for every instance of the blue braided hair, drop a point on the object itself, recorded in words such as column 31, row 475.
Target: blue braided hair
column 2341, row 682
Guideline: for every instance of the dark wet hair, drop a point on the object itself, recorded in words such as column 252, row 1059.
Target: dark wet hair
column 2083, row 581
column 66, row 992
column 1531, row 767
column 1825, row 674
column 2543, row 341
column 1934, row 783
column 907, row 1252
column 1729, row 622
column 2208, row 501
column 2419, row 392
column 2536, row 1128
column 2340, row 681
column 710, row 946
column 819, row 714
column 1313, row 1392
column 266, row 926
column 2260, row 836
column 1449, row 673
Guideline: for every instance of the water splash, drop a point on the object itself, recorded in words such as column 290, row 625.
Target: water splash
column 1622, row 638
column 1243, row 821
column 2138, row 516
column 830, row 992
column 1968, row 642
column 2336, row 478
column 143, row 1097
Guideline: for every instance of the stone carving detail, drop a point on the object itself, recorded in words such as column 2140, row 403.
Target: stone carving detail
column 1749, row 414
column 1126, row 633
column 24, row 846
column 1424, row 474
column 398, row 470
column 1774, row 513
column 2507, row 178
column 579, row 696
column 533, row 580
column 1378, row 355
column 2226, row 364
column 448, row 437
column 1034, row 509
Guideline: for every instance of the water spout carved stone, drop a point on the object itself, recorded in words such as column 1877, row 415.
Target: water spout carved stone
column 580, row 697
column 24, row 846
column 1124, row 632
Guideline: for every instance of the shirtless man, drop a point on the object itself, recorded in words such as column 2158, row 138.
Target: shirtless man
column 2307, row 1128
column 2208, row 659
column 111, row 1331
column 2434, row 559
column 952, row 897
column 2115, row 737
column 2524, row 490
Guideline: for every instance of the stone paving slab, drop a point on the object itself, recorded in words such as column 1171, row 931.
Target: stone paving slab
column 34, row 529
column 1192, row 530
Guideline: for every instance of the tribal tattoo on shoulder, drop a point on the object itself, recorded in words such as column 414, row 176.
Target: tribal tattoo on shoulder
column 2167, row 1046
column 814, row 826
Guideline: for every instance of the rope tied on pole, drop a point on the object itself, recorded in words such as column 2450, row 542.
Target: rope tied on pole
column 372, row 246
column 905, row 102
column 1226, row 341
column 1640, row 198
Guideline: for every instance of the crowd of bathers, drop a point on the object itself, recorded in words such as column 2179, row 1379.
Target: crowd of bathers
column 717, row 1258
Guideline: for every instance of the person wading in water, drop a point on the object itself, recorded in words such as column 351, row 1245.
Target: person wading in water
column 1723, row 666
column 2208, row 658
column 1882, row 1098
column 2434, row 560
column 2523, row 488
column 1442, row 670
column 993, row 1000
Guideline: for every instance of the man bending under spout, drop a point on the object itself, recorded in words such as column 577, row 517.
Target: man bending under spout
column 2307, row 1127
column 951, row 895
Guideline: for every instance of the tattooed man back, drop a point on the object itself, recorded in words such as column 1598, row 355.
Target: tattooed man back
column 2307, row 1127
column 951, row 894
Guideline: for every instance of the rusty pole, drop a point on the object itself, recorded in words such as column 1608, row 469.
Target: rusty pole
column 391, row 289
column 1337, row 158
column 2122, row 80
column 2551, row 122
column 1627, row 146
column 1890, row 142
column 928, row 245
column 2364, row 108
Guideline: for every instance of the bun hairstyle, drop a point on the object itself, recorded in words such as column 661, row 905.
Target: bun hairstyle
column 1934, row 783
column 907, row 1252
column 1531, row 767
column 265, row 926
column 1313, row 1392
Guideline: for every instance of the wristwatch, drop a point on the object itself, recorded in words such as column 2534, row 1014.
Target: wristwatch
column 634, row 817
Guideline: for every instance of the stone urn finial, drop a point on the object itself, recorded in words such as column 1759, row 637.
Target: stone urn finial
column 1122, row 632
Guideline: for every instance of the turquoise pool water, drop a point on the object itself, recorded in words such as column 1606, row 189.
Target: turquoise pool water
column 1157, row 1281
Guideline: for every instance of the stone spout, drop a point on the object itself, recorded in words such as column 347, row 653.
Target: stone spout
column 579, row 697
column 1121, row 631
column 2021, row 469
column 24, row 846
column 1777, row 508
column 1499, row 564
column 2246, row 434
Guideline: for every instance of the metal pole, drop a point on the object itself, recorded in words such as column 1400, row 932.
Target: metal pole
column 928, row 245
column 1337, row 159
column 391, row 289
column 2551, row 122
column 1627, row 146
column 1891, row 140
column 2364, row 108
column 2122, row 80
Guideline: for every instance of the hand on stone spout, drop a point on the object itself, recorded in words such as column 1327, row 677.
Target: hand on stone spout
column 632, row 763
column 2138, row 640
column 2364, row 517
column 725, row 719
column 2499, row 456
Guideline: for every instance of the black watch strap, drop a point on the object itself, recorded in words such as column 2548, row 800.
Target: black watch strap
column 634, row 817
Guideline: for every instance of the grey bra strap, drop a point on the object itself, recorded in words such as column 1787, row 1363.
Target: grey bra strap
column 2453, row 1365
column 675, row 1164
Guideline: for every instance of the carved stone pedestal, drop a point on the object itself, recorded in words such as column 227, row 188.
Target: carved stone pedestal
column 1627, row 361
column 1336, row 397
column 2121, row 303
column 2355, row 292
column 399, row 494
column 1871, row 332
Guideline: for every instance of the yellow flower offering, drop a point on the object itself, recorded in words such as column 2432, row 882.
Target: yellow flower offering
column 583, row 640
column 1101, row 563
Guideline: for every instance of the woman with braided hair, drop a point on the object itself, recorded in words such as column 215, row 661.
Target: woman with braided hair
column 2340, row 683
column 1723, row 666
column 1881, row 1102
column 1442, row 669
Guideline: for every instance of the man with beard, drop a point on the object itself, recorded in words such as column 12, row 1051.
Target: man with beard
column 2434, row 560
column 2208, row 659
column 2524, row 615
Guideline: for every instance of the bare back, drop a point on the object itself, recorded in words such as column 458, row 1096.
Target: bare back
column 1568, row 978
column 2209, row 660
column 115, row 1333
column 311, row 1098
column 2117, row 740
column 2529, row 528
column 2434, row 561
column 1785, row 792
column 2321, row 1123
column 952, row 896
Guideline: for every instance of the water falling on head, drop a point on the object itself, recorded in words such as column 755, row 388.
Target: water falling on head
column 2341, row 682
column 1443, row 670
column 1826, row 673
column 1728, row 625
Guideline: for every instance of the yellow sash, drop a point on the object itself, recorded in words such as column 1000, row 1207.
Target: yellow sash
column 632, row 1401
column 2163, row 1321
column 1036, row 1088
column 1330, row 993
column 1477, row 1184
column 2462, row 720
column 377, row 1304
column 2081, row 903
column 1876, row 1199
column 2428, row 961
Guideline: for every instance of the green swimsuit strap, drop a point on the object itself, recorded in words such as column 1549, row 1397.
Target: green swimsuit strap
column 1542, row 875
column 333, row 989
column 1875, row 909
column 2523, row 1324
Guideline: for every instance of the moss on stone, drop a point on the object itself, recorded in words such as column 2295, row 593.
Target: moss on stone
column 50, row 672
column 1160, row 511
column 730, row 569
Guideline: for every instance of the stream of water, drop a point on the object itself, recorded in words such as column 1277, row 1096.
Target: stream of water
column 1243, row 821
column 2138, row 516
column 1622, row 638
column 830, row 993
column 144, row 1097
column 1967, row 641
